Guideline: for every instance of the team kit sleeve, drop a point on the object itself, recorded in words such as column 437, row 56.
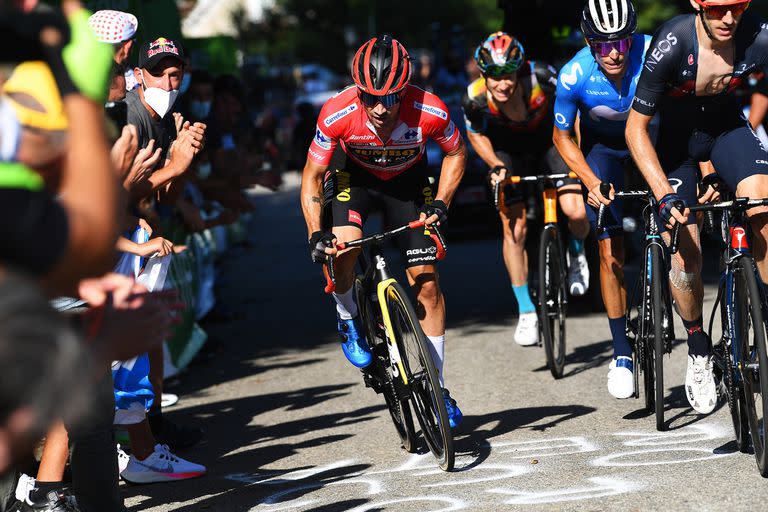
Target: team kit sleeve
column 440, row 127
column 325, row 139
column 566, row 98
column 546, row 75
column 658, row 70
column 473, row 117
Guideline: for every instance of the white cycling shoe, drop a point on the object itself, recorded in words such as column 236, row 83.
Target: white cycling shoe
column 578, row 274
column 527, row 332
column 700, row 386
column 621, row 380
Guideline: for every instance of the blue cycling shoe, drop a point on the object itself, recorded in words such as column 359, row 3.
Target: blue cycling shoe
column 353, row 343
column 454, row 413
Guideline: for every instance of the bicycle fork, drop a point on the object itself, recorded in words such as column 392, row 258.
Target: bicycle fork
column 383, row 284
column 738, row 247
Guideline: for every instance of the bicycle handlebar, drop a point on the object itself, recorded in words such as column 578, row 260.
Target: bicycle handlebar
column 741, row 204
column 605, row 189
column 513, row 180
column 434, row 234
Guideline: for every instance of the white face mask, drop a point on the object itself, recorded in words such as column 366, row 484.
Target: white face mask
column 160, row 100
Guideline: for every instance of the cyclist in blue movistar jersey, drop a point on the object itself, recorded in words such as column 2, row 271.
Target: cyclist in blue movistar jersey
column 599, row 85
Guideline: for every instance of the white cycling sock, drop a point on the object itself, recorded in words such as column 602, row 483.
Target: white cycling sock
column 345, row 304
column 437, row 349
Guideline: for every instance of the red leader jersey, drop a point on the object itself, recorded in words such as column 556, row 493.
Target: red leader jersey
column 343, row 120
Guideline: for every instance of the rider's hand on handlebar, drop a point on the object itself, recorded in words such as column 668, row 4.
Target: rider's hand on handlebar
column 595, row 197
column 435, row 212
column 497, row 174
column 321, row 245
column 673, row 210
column 710, row 189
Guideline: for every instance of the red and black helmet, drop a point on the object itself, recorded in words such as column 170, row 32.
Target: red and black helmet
column 381, row 66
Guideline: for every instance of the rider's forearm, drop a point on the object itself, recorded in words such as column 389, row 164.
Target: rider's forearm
column 574, row 158
column 758, row 109
column 484, row 149
column 312, row 196
column 451, row 173
column 645, row 156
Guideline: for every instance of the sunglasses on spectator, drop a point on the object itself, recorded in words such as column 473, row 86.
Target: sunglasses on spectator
column 605, row 48
column 496, row 71
column 719, row 10
column 387, row 100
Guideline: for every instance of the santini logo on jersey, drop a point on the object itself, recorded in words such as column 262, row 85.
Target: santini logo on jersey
column 569, row 79
column 338, row 115
column 442, row 114
column 663, row 47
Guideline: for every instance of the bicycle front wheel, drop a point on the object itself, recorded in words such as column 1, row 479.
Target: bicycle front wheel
column 552, row 299
column 658, row 311
column 423, row 380
column 399, row 410
column 754, row 359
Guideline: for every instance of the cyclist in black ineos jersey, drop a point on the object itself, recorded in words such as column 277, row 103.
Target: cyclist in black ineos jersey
column 692, row 67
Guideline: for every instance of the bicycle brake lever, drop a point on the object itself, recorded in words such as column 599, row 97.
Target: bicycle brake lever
column 330, row 276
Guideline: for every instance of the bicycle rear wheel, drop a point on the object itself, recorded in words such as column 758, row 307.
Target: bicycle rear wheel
column 754, row 359
column 423, row 380
column 399, row 410
column 658, row 311
column 552, row 299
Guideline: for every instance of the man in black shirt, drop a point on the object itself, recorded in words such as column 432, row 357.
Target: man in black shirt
column 692, row 67
column 159, row 73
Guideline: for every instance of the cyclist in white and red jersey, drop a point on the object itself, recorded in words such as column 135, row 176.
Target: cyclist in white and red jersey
column 379, row 128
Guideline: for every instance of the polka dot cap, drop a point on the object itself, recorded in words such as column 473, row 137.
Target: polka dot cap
column 113, row 26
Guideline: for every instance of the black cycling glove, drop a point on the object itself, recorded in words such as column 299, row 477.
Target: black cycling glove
column 666, row 204
column 318, row 242
column 711, row 180
column 436, row 207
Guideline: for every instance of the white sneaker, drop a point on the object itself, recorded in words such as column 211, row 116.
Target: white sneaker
column 168, row 399
column 122, row 459
column 578, row 274
column 621, row 380
column 161, row 466
column 700, row 384
column 527, row 332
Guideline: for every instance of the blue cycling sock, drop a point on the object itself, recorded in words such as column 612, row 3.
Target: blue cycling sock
column 621, row 345
column 524, row 303
column 576, row 246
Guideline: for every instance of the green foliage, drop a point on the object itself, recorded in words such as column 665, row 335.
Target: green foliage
column 652, row 13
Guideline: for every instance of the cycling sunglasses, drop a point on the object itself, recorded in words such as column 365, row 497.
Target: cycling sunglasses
column 496, row 71
column 604, row 48
column 718, row 11
column 387, row 100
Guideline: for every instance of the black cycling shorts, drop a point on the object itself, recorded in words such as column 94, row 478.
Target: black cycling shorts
column 354, row 190
column 528, row 165
column 730, row 143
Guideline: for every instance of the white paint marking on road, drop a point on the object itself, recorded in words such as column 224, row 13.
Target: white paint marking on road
column 453, row 503
column 545, row 447
column 640, row 457
column 277, row 478
column 689, row 434
column 602, row 486
column 504, row 471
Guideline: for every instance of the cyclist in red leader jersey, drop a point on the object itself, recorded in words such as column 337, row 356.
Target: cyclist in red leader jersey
column 381, row 125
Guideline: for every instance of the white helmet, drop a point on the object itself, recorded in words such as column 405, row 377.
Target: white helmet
column 608, row 20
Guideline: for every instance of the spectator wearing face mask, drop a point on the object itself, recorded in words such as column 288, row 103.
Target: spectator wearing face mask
column 159, row 73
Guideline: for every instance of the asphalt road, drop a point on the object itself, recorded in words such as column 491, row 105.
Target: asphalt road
column 290, row 425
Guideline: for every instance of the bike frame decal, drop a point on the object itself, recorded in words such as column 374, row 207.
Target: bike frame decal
column 550, row 205
column 739, row 239
column 394, row 354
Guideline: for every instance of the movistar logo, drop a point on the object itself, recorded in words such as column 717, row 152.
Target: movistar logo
column 570, row 79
